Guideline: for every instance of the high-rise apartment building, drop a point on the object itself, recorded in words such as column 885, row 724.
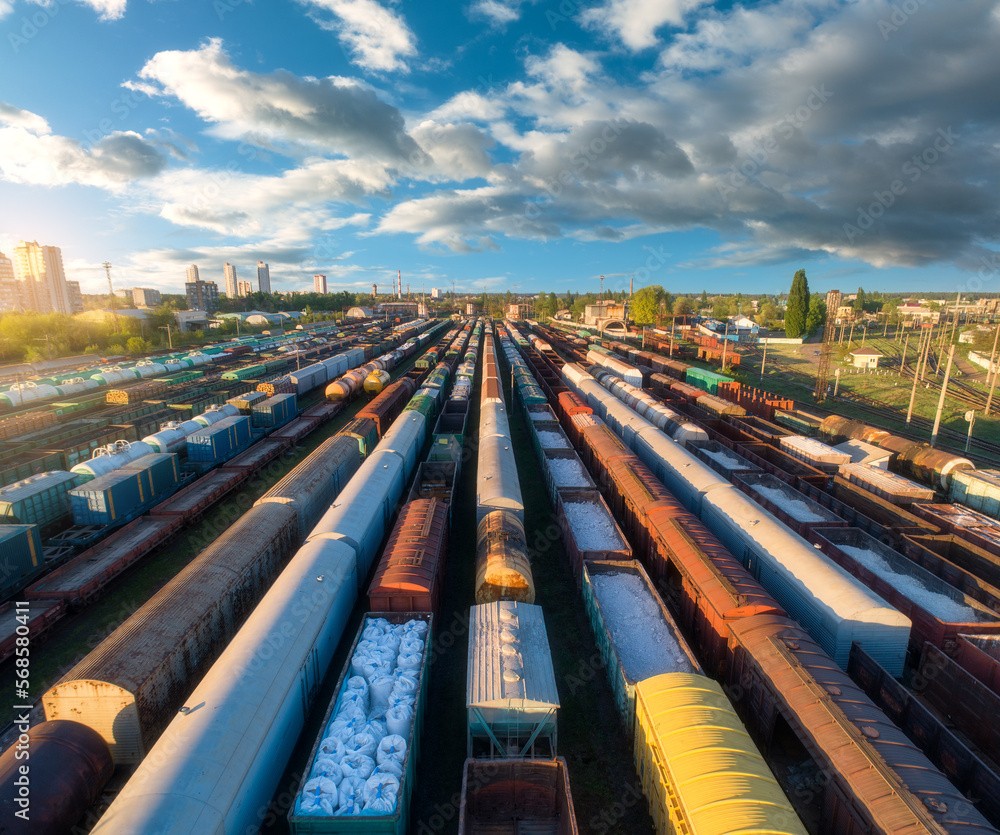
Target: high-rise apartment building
column 145, row 297
column 40, row 269
column 232, row 286
column 263, row 277
column 193, row 274
column 244, row 288
column 319, row 283
column 202, row 295
column 435, row 292
column 10, row 294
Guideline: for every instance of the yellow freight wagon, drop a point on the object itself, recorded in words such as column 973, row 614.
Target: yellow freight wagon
column 698, row 766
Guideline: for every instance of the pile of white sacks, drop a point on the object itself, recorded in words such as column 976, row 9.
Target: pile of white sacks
column 359, row 764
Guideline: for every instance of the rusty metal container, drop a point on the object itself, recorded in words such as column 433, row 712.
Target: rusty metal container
column 408, row 577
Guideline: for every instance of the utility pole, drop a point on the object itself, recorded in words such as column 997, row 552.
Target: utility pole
column 916, row 376
column 725, row 345
column 170, row 338
column 944, row 393
column 763, row 361
column 991, row 376
column 970, row 418
column 906, row 345
column 673, row 324
column 111, row 295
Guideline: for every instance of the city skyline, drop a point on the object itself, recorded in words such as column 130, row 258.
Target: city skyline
column 693, row 144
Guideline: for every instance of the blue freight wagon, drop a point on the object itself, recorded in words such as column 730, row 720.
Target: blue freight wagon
column 20, row 557
column 41, row 499
column 122, row 494
column 219, row 442
column 275, row 411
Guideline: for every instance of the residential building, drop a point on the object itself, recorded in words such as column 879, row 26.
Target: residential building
column 145, row 297
column 193, row 274
column 435, row 292
column 202, row 295
column 518, row 311
column 244, row 288
column 319, row 283
column 75, row 296
column 845, row 314
column 10, row 294
column 40, row 269
column 263, row 277
column 232, row 287
column 910, row 313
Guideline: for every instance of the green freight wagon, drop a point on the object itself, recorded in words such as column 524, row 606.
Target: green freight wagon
column 40, row 500
column 705, row 380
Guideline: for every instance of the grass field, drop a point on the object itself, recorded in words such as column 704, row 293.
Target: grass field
column 791, row 371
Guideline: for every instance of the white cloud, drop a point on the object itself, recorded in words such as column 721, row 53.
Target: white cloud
column 30, row 153
column 377, row 38
column 470, row 105
column 457, row 152
column 635, row 22
column 107, row 9
column 248, row 205
column 335, row 115
column 15, row 117
column 498, row 12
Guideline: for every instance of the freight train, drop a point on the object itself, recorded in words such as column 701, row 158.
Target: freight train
column 193, row 778
column 744, row 637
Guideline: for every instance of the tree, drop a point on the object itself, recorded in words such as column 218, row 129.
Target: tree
column 797, row 308
column 891, row 311
column 816, row 317
column 860, row 300
column 646, row 304
column 137, row 345
column 704, row 300
column 722, row 307
column 682, row 306
column 768, row 314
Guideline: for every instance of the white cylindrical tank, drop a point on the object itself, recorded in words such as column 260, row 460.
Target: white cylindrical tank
column 27, row 392
column 77, row 385
column 172, row 436
column 214, row 414
column 110, row 458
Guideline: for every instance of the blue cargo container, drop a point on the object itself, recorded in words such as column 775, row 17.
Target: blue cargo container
column 122, row 494
column 219, row 442
column 275, row 411
column 160, row 473
column 20, row 557
column 107, row 499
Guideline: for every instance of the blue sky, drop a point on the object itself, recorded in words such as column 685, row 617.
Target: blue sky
column 506, row 144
